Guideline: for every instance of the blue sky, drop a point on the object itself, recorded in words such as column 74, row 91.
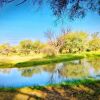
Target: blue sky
column 23, row 22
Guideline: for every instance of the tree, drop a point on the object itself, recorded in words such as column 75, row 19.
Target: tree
column 75, row 42
column 55, row 41
column 71, row 8
column 5, row 49
column 68, row 41
column 94, row 43
column 37, row 46
column 25, row 46
column 52, row 40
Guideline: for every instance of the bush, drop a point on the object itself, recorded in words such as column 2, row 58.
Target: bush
column 49, row 51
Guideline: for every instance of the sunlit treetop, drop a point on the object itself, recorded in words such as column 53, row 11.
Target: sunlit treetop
column 70, row 8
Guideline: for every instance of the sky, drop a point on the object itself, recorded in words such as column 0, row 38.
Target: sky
column 25, row 22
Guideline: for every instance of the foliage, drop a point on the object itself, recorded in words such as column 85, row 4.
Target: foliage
column 56, row 41
column 6, row 49
column 37, row 46
column 28, row 47
column 26, row 44
column 65, row 42
column 75, row 42
column 49, row 51
column 72, row 8
column 94, row 43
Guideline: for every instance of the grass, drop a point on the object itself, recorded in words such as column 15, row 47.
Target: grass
column 39, row 59
column 49, row 60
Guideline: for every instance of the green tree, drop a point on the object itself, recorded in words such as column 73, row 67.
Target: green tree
column 26, row 46
column 75, row 42
column 37, row 46
column 94, row 43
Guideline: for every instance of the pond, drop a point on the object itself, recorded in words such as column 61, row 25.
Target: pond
column 50, row 73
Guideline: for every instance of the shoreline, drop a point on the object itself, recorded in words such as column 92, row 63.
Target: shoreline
column 31, row 61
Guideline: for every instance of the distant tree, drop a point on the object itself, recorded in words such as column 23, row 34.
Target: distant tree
column 25, row 46
column 94, row 43
column 96, row 35
column 75, row 42
column 71, row 8
column 56, row 41
column 37, row 46
column 5, row 49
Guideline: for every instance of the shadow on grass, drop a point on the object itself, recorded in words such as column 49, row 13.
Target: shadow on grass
column 82, row 91
column 18, row 95
column 88, row 90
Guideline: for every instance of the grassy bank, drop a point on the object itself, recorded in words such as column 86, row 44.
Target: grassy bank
column 80, row 90
column 48, row 60
column 25, row 61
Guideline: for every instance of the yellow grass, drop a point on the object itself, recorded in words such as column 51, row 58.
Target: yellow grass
column 15, row 58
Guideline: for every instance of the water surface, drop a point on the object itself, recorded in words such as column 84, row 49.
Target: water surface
column 50, row 74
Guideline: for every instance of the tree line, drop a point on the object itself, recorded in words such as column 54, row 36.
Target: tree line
column 64, row 42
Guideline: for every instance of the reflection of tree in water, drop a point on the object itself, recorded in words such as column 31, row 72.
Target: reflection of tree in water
column 82, row 68
column 5, row 70
column 73, row 69
column 56, row 74
column 52, row 69
column 96, row 64
column 49, row 67
column 28, row 72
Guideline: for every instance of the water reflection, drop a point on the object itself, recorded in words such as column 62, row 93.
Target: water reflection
column 49, row 74
column 28, row 72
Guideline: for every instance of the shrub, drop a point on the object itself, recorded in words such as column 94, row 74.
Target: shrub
column 49, row 51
